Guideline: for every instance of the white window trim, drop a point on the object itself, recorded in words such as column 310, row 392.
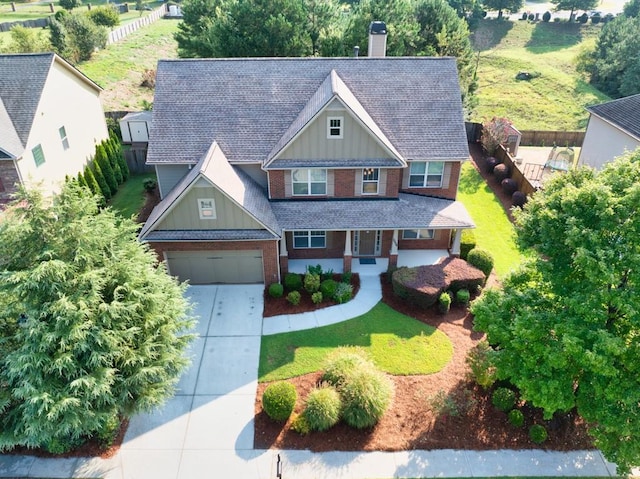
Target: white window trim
column 377, row 182
column 65, row 138
column 308, row 182
column 341, row 128
column 426, row 174
column 202, row 209
column 431, row 235
column 307, row 234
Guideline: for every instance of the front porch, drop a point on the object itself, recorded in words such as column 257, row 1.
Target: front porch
column 416, row 257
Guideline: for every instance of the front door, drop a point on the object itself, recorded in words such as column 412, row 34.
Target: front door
column 368, row 243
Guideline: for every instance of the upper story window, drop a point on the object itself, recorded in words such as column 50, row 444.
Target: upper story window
column 418, row 234
column 370, row 178
column 426, row 174
column 207, row 208
column 63, row 137
column 38, row 155
column 335, row 127
column 309, row 239
column 309, row 181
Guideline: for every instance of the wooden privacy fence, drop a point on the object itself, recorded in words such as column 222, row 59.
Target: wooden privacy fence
column 532, row 137
column 119, row 33
column 523, row 183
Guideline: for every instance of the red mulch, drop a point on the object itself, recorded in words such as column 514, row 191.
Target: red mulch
column 410, row 423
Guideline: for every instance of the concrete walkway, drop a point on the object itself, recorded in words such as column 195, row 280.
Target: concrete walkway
column 206, row 430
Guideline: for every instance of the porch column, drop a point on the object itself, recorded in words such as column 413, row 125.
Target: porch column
column 284, row 255
column 455, row 247
column 348, row 254
column 393, row 253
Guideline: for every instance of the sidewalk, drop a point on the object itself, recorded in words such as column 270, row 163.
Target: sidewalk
column 206, row 430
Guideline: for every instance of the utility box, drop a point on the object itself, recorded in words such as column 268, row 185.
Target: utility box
column 135, row 127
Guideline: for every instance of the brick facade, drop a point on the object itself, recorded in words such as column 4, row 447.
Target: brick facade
column 344, row 183
column 270, row 253
column 441, row 240
column 448, row 193
column 334, row 248
column 276, row 183
column 394, row 182
column 9, row 179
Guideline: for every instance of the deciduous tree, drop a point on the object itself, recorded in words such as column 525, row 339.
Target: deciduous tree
column 500, row 5
column 92, row 328
column 565, row 327
column 574, row 5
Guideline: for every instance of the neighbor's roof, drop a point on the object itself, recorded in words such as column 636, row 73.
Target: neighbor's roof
column 407, row 212
column 251, row 106
column 22, row 80
column 233, row 182
column 623, row 113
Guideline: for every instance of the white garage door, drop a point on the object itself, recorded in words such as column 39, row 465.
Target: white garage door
column 206, row 267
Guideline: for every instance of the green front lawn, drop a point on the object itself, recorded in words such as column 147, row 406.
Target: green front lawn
column 129, row 199
column 397, row 344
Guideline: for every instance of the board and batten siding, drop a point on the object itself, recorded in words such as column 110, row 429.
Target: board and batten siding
column 356, row 143
column 169, row 176
column 186, row 216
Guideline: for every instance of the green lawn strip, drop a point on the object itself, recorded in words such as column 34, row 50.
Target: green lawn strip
column 494, row 232
column 130, row 197
column 398, row 344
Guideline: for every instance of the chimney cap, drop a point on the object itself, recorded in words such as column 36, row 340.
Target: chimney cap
column 377, row 28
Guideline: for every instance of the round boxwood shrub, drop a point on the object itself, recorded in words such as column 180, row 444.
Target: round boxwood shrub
column 531, row 17
column 311, row 282
column 294, row 297
column 492, row 162
column 509, row 186
column 501, row 171
column 538, row 434
column 467, row 243
column 276, row 290
column 365, row 397
column 595, row 19
column 323, row 408
column 546, row 16
column 583, row 18
column 504, row 399
column 516, row 418
column 481, row 259
column 328, row 288
column 518, row 199
column 316, row 298
column 278, row 400
column 292, row 282
column 342, row 363
column 444, row 302
column 462, row 296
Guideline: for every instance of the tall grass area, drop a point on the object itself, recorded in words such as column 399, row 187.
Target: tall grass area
column 494, row 232
column 554, row 100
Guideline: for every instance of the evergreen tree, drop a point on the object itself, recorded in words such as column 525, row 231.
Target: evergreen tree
column 102, row 183
column 92, row 183
column 113, row 160
column 122, row 162
column 105, row 165
column 92, row 329
column 81, row 181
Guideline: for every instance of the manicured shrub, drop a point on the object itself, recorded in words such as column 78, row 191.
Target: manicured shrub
column 467, row 243
column 444, row 302
column 524, row 16
column 516, row 418
column 294, row 297
column 292, row 282
column 504, row 399
column 276, row 290
column 462, row 296
column 317, row 269
column 501, row 171
column 311, row 282
column 323, row 408
column 531, row 17
column 538, row 433
column 481, row 369
column 582, row 18
column 546, row 16
column 107, row 16
column 316, row 298
column 481, row 259
column 346, row 277
column 365, row 397
column 107, row 435
column 328, row 288
column 278, row 400
column 300, row 424
column 595, row 19
column 518, row 199
column 340, row 365
column 491, row 163
column 344, row 293
column 150, row 185
column 509, row 186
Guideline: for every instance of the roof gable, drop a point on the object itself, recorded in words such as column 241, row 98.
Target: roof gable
column 624, row 113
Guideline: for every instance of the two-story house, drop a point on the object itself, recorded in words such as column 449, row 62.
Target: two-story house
column 263, row 161
column 50, row 121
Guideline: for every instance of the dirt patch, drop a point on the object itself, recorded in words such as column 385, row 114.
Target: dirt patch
column 412, row 422
column 151, row 199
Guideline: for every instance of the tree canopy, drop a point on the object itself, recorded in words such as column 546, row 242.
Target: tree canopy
column 92, row 329
column 500, row 5
column 565, row 327
column 573, row 5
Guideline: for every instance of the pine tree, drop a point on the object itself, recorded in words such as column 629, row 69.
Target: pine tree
column 117, row 148
column 102, row 160
column 113, row 160
column 92, row 183
column 102, row 182
column 81, row 180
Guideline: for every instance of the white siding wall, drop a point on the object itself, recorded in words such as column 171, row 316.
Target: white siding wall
column 603, row 143
column 66, row 101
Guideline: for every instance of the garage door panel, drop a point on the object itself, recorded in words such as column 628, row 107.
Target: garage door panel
column 206, row 267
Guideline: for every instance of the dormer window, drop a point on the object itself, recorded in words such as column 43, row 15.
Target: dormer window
column 335, row 126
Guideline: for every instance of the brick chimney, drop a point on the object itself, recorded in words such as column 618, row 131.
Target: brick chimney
column 377, row 39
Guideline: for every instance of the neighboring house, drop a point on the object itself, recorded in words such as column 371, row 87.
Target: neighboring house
column 50, row 121
column 613, row 129
column 260, row 161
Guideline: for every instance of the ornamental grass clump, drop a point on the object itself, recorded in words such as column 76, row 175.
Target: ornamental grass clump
column 278, row 400
column 365, row 397
column 323, row 408
column 340, row 365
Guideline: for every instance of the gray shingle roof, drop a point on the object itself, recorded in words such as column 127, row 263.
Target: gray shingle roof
column 407, row 212
column 235, row 183
column 22, row 79
column 248, row 105
column 208, row 235
column 623, row 112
